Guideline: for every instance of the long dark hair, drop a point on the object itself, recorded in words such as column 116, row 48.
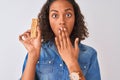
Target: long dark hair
column 79, row 29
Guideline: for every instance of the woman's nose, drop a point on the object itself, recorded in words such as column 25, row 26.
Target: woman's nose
column 62, row 20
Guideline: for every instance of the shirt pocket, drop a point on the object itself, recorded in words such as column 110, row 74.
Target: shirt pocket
column 46, row 66
column 45, row 69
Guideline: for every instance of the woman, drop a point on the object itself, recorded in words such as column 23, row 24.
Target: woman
column 61, row 55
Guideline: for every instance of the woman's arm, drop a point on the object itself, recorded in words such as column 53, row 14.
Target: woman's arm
column 75, row 67
column 29, row 71
column 68, row 53
column 33, row 46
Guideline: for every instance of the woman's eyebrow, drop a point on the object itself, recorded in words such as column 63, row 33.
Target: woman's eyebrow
column 53, row 10
column 68, row 9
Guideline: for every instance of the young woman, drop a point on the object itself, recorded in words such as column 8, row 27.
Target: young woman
column 61, row 55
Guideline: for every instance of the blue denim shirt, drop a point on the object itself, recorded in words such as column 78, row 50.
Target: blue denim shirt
column 50, row 65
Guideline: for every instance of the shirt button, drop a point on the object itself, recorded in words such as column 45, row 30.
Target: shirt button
column 49, row 62
column 38, row 62
column 60, row 65
column 85, row 67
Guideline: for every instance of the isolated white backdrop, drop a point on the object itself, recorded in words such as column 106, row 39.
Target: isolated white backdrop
column 103, row 21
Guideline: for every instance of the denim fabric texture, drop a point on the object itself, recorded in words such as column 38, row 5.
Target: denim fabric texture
column 50, row 65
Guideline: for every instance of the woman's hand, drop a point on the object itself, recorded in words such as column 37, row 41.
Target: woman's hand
column 68, row 53
column 32, row 45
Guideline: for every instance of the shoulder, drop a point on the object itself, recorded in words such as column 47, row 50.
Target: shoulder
column 86, row 53
column 85, row 49
column 88, row 62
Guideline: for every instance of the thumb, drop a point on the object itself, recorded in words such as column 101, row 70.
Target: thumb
column 76, row 43
column 38, row 32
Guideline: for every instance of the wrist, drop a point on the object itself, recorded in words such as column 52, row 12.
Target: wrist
column 75, row 71
column 73, row 67
column 76, row 76
column 32, row 58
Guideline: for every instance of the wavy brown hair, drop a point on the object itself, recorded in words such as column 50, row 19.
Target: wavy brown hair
column 79, row 29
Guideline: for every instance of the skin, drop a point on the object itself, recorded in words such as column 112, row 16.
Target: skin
column 62, row 18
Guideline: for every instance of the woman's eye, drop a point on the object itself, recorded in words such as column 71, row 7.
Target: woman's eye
column 54, row 15
column 68, row 15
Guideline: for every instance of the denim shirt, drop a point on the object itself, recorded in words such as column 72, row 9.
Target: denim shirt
column 50, row 65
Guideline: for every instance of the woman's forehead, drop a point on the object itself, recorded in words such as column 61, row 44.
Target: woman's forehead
column 61, row 5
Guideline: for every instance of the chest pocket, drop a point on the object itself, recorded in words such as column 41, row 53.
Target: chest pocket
column 46, row 66
column 46, row 61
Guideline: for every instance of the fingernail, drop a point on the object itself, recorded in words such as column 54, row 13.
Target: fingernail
column 77, row 39
column 55, row 38
column 64, row 29
column 61, row 28
column 23, row 37
column 59, row 31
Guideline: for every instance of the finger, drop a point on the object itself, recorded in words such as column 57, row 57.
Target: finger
column 26, row 34
column 60, row 39
column 67, row 37
column 38, row 32
column 66, row 32
column 57, row 43
column 76, row 43
column 64, row 39
column 28, row 31
column 20, row 38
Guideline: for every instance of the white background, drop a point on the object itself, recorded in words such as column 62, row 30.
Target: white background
column 103, row 22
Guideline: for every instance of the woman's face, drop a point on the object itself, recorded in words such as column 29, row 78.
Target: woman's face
column 61, row 15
